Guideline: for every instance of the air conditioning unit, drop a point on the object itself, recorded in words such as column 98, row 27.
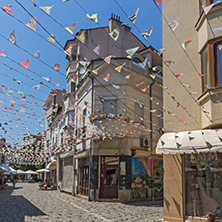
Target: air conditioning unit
column 144, row 142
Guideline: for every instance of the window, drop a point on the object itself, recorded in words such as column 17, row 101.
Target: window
column 73, row 87
column 211, row 62
column 136, row 60
column 218, row 56
column 203, row 184
column 205, row 68
column 110, row 105
column 139, row 110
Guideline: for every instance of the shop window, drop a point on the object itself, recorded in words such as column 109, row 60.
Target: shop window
column 139, row 111
column 203, row 174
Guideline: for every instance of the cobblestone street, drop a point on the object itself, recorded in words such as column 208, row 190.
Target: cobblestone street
column 28, row 203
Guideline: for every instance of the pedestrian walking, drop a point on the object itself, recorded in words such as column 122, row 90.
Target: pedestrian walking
column 14, row 181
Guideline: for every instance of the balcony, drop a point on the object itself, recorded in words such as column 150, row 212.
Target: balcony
column 211, row 100
column 71, row 67
column 206, row 23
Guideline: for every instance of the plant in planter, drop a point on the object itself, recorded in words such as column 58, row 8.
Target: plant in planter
column 102, row 115
column 124, row 117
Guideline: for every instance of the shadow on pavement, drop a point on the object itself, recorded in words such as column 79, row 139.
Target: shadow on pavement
column 14, row 208
column 147, row 204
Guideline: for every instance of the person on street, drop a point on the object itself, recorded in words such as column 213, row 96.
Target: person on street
column 14, row 181
column 46, row 184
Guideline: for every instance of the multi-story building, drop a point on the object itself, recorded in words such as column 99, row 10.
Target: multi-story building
column 2, row 150
column 117, row 119
column 192, row 82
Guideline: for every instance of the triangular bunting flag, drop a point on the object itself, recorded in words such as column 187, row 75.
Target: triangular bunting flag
column 93, row 17
column 147, row 33
column 2, row 53
column 119, row 68
column 133, row 17
column 157, row 2
column 22, row 110
column 46, row 9
column 132, row 51
column 69, row 50
column 107, row 77
column 46, row 78
column 95, row 71
column 51, row 39
column 36, row 54
column 23, row 98
column 143, row 64
column 25, row 64
column 5, row 110
column 108, row 59
column 74, row 78
column 12, row 107
column 70, row 28
column 185, row 44
column 12, row 101
column 36, row 87
column 56, row 67
column 12, row 38
column 97, row 49
column 81, row 37
column 32, row 24
column 7, row 9
column 41, row 82
column 9, row 93
column 24, row 105
column 20, row 93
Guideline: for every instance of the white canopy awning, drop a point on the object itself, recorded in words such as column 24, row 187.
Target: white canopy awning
column 20, row 172
column 31, row 172
column 42, row 171
column 199, row 141
column 8, row 168
column 51, row 165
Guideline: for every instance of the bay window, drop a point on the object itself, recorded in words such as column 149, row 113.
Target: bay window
column 211, row 64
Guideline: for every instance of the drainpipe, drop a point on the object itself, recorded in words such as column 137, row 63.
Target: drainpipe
column 74, row 169
column 151, row 132
column 91, row 147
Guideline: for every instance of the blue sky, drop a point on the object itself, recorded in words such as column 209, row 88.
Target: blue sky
column 65, row 13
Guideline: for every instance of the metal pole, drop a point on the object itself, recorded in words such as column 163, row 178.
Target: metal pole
column 91, row 147
column 74, row 175
column 151, row 134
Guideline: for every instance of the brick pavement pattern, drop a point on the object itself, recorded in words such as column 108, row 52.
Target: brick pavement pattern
column 28, row 203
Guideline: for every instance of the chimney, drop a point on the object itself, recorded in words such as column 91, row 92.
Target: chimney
column 114, row 22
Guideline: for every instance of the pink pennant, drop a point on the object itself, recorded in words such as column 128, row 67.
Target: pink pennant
column 25, row 64
column 2, row 53
column 144, row 90
column 23, row 98
column 5, row 110
column 108, row 59
column 24, row 105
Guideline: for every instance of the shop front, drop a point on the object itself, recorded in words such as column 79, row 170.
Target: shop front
column 192, row 175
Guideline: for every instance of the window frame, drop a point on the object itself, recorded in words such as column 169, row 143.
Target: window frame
column 212, row 60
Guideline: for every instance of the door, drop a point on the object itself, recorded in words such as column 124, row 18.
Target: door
column 109, row 177
column 84, row 181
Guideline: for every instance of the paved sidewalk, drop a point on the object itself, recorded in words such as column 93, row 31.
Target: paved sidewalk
column 28, row 203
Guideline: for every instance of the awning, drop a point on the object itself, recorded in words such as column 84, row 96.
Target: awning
column 30, row 172
column 42, row 171
column 199, row 141
column 51, row 165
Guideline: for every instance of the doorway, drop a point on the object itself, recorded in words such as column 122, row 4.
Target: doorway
column 109, row 177
column 84, row 180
